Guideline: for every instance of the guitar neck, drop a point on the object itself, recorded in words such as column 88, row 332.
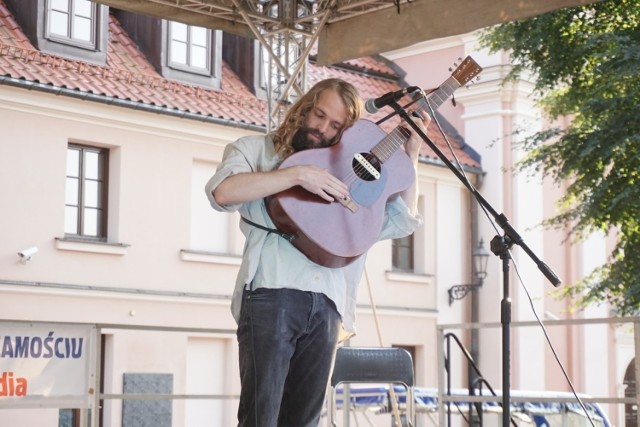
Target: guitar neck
column 396, row 138
column 436, row 98
column 464, row 73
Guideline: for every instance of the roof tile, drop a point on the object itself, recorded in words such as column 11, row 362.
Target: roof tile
column 128, row 75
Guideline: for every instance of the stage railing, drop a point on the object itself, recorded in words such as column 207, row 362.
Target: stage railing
column 446, row 401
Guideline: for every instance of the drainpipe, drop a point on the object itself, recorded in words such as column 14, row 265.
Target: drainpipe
column 474, row 346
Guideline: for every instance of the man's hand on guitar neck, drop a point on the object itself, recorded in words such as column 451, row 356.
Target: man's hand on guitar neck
column 412, row 146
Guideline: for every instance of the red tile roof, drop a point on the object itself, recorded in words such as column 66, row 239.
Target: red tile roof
column 128, row 75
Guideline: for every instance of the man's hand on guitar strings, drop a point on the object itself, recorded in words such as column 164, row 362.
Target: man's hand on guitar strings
column 320, row 182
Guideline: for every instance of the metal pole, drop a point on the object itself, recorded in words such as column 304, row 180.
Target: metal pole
column 636, row 339
column 95, row 410
column 441, row 376
column 474, row 350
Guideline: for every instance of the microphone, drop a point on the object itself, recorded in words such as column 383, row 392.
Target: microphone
column 373, row 105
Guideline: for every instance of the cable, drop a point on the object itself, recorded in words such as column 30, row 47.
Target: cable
column 474, row 191
column 392, row 393
column 524, row 287
column 548, row 339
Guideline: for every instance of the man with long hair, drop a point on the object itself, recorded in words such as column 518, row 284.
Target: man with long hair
column 290, row 310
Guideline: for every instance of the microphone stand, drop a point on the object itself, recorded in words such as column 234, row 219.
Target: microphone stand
column 415, row 100
column 499, row 246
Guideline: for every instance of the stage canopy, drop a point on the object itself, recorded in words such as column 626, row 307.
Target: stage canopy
column 346, row 29
column 289, row 30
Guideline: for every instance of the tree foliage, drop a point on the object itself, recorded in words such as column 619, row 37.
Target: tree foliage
column 587, row 66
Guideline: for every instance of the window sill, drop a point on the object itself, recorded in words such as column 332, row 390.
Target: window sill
column 407, row 277
column 66, row 244
column 209, row 257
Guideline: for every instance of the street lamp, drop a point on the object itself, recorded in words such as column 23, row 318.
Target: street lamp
column 480, row 260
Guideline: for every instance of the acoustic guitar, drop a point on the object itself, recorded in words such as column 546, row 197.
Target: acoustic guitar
column 368, row 160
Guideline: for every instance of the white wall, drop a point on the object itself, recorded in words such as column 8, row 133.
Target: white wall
column 171, row 260
column 487, row 115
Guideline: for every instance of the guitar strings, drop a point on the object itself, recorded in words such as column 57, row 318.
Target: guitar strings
column 384, row 149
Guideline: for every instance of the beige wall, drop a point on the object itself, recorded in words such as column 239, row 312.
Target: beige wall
column 173, row 260
column 487, row 116
column 157, row 270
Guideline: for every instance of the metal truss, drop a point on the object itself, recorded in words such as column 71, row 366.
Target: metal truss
column 286, row 29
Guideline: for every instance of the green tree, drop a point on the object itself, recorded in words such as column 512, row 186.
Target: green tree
column 586, row 62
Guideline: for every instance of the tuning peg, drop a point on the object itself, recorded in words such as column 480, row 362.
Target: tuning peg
column 472, row 82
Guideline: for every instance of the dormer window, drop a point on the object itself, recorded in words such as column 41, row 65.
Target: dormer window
column 190, row 48
column 72, row 22
column 73, row 29
column 193, row 54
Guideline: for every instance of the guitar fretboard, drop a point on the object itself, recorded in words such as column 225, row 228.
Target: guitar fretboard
column 397, row 137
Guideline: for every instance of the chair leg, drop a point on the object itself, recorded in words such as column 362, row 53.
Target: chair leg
column 332, row 407
column 411, row 408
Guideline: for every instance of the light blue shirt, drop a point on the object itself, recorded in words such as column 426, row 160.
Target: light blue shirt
column 269, row 261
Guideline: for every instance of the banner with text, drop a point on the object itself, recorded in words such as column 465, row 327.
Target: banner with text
column 46, row 365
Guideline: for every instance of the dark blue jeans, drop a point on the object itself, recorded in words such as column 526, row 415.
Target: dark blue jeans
column 287, row 341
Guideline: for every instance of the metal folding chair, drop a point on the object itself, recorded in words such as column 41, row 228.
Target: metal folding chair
column 372, row 365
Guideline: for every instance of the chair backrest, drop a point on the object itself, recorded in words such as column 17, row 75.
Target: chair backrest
column 372, row 365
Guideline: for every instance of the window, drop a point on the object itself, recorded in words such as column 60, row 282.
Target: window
column 214, row 236
column 211, row 231
column 72, row 22
column 205, row 373
column 86, row 192
column 193, row 54
column 74, row 29
column 189, row 47
column 68, row 418
column 262, row 71
column 402, row 253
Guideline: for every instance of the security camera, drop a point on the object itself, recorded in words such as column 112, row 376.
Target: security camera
column 26, row 254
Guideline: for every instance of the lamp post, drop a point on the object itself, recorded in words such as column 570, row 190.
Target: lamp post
column 480, row 260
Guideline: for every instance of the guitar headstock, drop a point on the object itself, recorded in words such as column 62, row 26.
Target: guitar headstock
column 466, row 71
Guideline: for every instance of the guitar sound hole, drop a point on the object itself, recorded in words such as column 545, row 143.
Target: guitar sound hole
column 362, row 171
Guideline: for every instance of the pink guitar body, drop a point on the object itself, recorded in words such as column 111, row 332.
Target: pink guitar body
column 332, row 234
column 370, row 162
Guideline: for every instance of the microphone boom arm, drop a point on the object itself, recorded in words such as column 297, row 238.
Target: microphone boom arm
column 501, row 219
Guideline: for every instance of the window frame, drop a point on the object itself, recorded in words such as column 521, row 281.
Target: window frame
column 406, row 243
column 92, row 44
column 188, row 67
column 261, row 71
column 193, row 75
column 102, row 199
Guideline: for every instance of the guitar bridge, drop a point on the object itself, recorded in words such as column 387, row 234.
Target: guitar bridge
column 348, row 203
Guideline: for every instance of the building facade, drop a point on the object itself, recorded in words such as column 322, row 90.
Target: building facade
column 105, row 151
column 108, row 137
column 495, row 117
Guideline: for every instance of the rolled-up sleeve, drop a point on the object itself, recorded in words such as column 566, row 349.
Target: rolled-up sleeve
column 398, row 221
column 234, row 161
